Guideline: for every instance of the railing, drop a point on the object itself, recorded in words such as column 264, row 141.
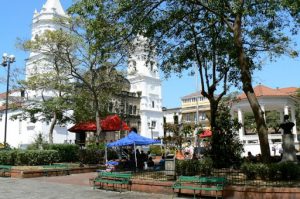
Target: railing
column 162, row 175
column 234, row 177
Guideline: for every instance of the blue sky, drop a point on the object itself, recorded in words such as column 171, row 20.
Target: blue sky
column 15, row 21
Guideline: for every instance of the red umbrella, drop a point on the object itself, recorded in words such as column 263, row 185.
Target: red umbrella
column 110, row 123
column 83, row 126
column 113, row 123
column 205, row 133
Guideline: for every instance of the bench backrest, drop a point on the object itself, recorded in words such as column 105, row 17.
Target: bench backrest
column 202, row 180
column 115, row 175
column 194, row 179
column 5, row 166
column 213, row 180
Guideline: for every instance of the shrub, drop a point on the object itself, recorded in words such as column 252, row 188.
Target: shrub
column 274, row 171
column 154, row 149
column 28, row 157
column 38, row 143
column 249, row 169
column 289, row 171
column 67, row 152
column 262, row 170
column 36, row 157
column 206, row 165
column 194, row 167
column 7, row 157
column 91, row 156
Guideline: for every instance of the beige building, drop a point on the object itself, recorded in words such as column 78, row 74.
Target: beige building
column 195, row 108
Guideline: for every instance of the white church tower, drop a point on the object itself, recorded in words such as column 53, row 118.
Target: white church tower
column 38, row 64
column 144, row 78
column 42, row 21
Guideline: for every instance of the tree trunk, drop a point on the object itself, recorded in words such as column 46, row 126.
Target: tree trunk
column 52, row 125
column 246, row 78
column 98, row 126
column 98, row 119
column 213, row 113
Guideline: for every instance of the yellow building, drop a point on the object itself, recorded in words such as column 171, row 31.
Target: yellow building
column 189, row 106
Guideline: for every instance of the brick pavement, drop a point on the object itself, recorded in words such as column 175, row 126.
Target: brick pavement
column 75, row 186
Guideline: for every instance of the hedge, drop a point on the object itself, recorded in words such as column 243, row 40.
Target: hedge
column 28, row 157
column 194, row 167
column 67, row 152
column 96, row 156
column 275, row 171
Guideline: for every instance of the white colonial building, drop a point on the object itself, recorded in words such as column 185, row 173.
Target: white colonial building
column 144, row 78
column 23, row 132
column 280, row 100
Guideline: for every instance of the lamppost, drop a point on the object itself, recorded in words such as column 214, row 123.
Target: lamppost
column 6, row 61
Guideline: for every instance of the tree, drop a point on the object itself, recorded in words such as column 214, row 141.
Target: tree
column 91, row 63
column 52, row 82
column 226, row 147
column 98, row 53
column 252, row 30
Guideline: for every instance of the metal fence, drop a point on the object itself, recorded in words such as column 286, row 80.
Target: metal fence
column 234, row 177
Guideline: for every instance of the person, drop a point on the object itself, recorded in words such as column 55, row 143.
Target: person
column 133, row 129
column 186, row 152
column 250, row 157
column 194, row 157
column 161, row 164
column 150, row 163
column 142, row 158
column 148, row 154
column 287, row 126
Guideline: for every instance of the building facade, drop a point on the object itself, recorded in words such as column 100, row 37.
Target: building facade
column 139, row 105
column 195, row 108
column 282, row 101
column 144, row 78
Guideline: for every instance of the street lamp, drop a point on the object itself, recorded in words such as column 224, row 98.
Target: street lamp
column 6, row 61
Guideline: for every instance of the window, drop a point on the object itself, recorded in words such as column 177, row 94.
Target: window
column 202, row 116
column 22, row 93
column 187, row 117
column 153, row 104
column 153, row 124
column 134, row 110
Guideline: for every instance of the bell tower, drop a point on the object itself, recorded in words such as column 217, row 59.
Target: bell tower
column 144, row 78
column 42, row 21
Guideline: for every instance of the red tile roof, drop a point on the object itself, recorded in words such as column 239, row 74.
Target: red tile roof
column 262, row 90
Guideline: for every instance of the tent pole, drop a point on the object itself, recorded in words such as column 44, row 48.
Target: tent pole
column 105, row 154
column 135, row 155
column 161, row 146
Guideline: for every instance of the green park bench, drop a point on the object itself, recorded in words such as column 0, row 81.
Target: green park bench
column 114, row 178
column 57, row 168
column 197, row 183
column 5, row 169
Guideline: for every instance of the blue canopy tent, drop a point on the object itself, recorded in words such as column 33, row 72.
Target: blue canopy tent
column 132, row 139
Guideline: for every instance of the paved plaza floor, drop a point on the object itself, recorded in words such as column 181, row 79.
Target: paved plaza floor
column 75, row 186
